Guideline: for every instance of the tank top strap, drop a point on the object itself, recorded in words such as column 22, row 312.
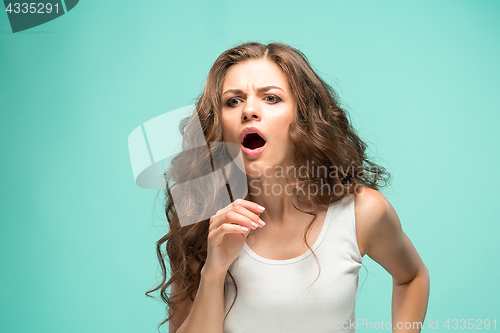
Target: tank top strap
column 342, row 228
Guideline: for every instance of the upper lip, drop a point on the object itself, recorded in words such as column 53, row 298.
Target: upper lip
column 250, row 130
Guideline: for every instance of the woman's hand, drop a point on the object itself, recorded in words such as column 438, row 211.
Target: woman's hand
column 228, row 230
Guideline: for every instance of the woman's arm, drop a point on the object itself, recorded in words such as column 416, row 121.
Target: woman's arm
column 206, row 314
column 228, row 230
column 387, row 244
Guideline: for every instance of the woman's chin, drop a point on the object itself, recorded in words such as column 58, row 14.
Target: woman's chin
column 260, row 168
column 253, row 172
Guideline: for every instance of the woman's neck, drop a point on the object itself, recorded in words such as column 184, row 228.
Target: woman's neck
column 274, row 193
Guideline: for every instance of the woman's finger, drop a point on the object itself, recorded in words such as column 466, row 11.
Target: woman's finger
column 216, row 236
column 245, row 218
column 252, row 206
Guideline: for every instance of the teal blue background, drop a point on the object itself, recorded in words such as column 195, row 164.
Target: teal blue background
column 419, row 79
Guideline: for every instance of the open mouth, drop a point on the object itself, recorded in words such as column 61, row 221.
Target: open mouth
column 253, row 141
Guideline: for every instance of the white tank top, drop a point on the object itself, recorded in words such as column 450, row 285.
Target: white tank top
column 272, row 295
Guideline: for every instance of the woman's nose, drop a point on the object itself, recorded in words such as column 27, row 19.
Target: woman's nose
column 250, row 110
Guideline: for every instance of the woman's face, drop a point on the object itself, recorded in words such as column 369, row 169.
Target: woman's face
column 257, row 98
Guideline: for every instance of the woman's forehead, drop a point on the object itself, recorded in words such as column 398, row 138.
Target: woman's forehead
column 253, row 74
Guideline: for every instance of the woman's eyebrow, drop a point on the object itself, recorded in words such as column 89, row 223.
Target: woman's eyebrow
column 263, row 89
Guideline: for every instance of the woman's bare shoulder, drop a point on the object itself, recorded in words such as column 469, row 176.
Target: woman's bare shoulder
column 370, row 208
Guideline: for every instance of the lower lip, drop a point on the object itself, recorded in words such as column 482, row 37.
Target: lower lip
column 253, row 152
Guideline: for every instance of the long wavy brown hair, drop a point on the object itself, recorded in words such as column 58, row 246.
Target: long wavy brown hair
column 322, row 136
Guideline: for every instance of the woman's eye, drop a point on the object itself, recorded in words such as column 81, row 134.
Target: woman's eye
column 273, row 99
column 232, row 102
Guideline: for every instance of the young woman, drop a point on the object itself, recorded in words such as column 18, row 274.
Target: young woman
column 251, row 266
